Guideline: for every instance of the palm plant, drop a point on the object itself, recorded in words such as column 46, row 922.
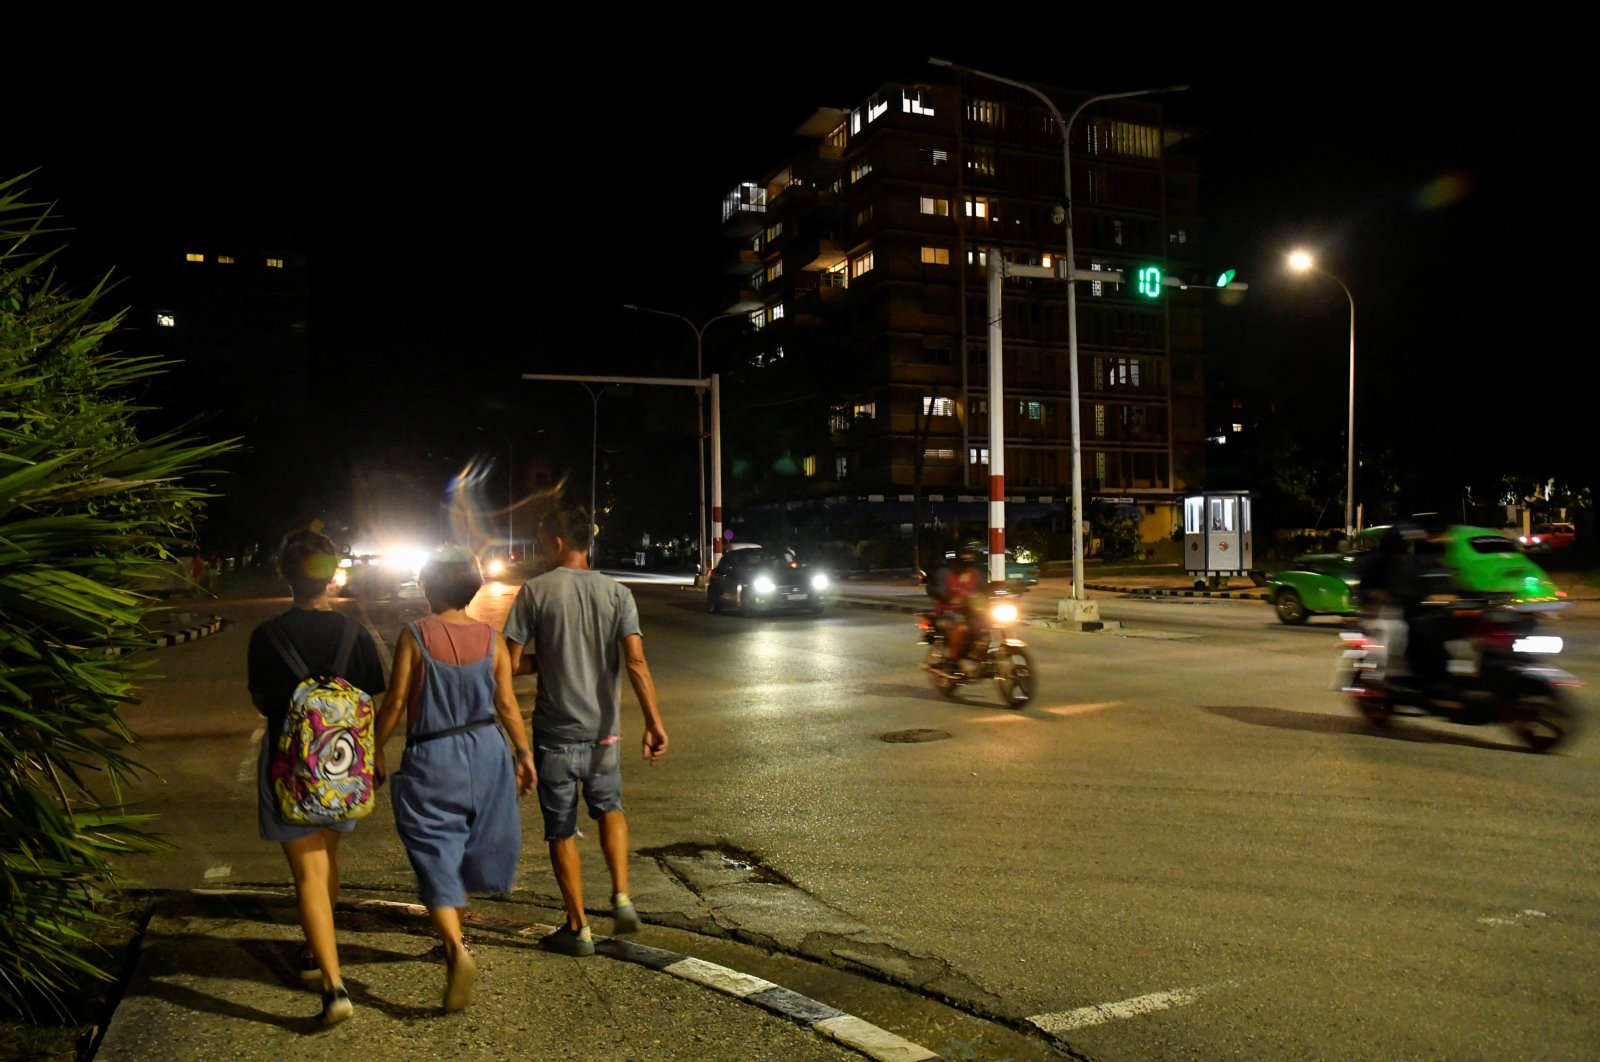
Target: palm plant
column 87, row 509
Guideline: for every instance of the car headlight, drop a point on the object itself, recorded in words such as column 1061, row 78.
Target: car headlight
column 341, row 576
column 1003, row 613
column 763, row 585
column 819, row 582
column 497, row 568
column 1537, row 643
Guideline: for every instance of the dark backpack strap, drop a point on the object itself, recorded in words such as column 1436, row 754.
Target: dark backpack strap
column 291, row 656
column 347, row 643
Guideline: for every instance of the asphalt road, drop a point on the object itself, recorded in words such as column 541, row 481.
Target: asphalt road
column 1189, row 847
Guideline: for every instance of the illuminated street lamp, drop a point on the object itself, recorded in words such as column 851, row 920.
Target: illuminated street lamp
column 1070, row 272
column 1301, row 262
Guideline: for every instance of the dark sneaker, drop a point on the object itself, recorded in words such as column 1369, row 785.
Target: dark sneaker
column 950, row 668
column 310, row 972
column 624, row 919
column 336, row 1005
column 567, row 941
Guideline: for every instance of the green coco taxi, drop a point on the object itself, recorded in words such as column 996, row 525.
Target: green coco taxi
column 1484, row 561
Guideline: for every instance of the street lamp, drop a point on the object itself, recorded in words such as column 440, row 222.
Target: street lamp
column 1071, row 273
column 699, row 411
column 594, row 461
column 1301, row 262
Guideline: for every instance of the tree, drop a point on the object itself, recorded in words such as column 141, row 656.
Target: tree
column 87, row 510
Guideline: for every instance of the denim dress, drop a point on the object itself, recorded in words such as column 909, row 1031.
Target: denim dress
column 455, row 795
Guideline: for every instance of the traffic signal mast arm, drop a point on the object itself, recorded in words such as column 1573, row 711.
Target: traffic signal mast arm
column 1115, row 276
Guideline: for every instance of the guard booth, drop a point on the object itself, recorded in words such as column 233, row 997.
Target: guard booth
column 1217, row 537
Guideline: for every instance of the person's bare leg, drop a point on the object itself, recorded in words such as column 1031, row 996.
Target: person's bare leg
column 460, row 971
column 310, row 864
column 614, row 846
column 568, row 867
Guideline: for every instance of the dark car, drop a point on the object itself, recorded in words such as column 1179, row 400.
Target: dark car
column 762, row 579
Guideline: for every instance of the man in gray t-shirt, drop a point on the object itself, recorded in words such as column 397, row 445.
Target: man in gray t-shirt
column 577, row 629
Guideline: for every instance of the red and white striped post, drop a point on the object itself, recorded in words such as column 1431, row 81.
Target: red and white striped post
column 997, row 423
column 716, row 475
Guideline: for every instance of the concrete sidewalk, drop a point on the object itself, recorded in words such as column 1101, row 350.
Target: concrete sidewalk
column 214, row 978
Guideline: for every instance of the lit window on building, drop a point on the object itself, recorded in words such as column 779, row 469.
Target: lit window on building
column 777, row 354
column 1100, row 467
column 986, row 111
column 839, row 136
column 855, row 120
column 758, row 319
column 939, row 453
column 274, row 263
column 775, row 270
column 860, row 170
column 837, row 276
column 937, row 207
column 912, row 102
column 861, row 265
column 838, row 419
column 1238, row 428
column 1096, row 287
column 225, row 259
column 1099, row 422
column 1135, row 140
column 777, row 312
column 938, row 407
column 867, row 410
column 935, row 256
column 1045, row 261
column 978, row 455
column 977, row 256
column 194, row 257
column 934, row 156
column 774, row 231
column 1031, row 410
column 1178, row 236
column 980, row 160
column 809, row 465
column 864, row 215
column 841, row 467
column 977, row 407
column 977, row 207
column 876, row 106
column 166, row 320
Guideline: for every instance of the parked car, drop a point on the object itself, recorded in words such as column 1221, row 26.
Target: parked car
column 1484, row 562
column 757, row 578
column 1549, row 536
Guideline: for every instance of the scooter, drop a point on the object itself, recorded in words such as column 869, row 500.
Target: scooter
column 993, row 652
column 1497, row 670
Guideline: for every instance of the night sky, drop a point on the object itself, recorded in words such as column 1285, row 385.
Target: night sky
column 471, row 214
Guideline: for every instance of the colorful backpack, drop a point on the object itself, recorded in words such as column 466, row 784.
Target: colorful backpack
column 322, row 766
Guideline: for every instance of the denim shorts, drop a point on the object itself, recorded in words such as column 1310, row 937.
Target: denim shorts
column 562, row 770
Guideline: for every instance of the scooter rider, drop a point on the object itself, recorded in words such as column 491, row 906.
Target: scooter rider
column 1397, row 580
column 962, row 595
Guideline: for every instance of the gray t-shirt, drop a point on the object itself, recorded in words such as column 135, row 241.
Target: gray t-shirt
column 574, row 620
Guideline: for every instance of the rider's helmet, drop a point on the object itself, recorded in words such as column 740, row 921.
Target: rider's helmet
column 967, row 553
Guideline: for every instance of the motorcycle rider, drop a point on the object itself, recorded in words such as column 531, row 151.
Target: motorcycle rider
column 1397, row 580
column 957, row 606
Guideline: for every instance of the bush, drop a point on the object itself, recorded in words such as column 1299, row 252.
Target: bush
column 87, row 510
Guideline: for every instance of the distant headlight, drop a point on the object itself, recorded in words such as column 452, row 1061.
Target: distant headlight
column 763, row 585
column 341, row 577
column 1004, row 613
column 496, row 569
column 406, row 560
column 819, row 582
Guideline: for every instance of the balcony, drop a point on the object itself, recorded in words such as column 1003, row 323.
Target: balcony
column 744, row 210
column 742, row 262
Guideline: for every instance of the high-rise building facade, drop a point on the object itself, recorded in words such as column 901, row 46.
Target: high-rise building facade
column 869, row 252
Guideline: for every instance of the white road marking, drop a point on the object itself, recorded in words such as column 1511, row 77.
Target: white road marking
column 247, row 767
column 1515, row 920
column 219, row 870
column 1100, row 1013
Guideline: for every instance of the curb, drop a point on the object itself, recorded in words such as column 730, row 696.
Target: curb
column 828, row 1022
column 1152, row 591
column 170, row 638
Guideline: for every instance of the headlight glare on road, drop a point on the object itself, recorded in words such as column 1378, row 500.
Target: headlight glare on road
column 819, row 582
column 1004, row 613
column 763, row 585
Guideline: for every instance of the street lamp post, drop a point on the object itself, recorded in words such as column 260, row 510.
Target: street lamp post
column 699, row 412
column 1070, row 272
column 594, row 460
column 1302, row 262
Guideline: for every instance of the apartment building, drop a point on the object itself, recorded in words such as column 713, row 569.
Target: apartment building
column 868, row 254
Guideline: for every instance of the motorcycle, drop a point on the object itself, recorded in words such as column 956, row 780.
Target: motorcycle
column 993, row 652
column 1496, row 670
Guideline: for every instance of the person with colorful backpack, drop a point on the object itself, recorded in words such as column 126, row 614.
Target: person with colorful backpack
column 312, row 673
column 455, row 794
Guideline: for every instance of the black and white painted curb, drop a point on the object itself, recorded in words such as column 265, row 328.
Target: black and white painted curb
column 1157, row 591
column 176, row 637
column 828, row 1022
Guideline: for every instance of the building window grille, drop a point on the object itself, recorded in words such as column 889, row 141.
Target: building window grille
column 933, row 156
column 838, row 419
column 938, row 407
column 1099, row 422
column 987, row 112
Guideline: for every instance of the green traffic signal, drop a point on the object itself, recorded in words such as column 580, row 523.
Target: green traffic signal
column 1225, row 278
column 1148, row 281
